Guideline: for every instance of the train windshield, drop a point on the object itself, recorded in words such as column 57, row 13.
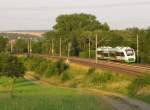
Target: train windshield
column 130, row 52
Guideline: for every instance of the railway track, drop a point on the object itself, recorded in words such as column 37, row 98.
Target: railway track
column 133, row 69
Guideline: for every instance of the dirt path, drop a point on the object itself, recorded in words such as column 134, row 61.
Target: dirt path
column 121, row 102
column 118, row 101
column 118, row 105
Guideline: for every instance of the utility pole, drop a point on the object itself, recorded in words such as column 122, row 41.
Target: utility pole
column 69, row 45
column 11, row 44
column 96, row 48
column 52, row 47
column 89, row 47
column 30, row 46
column 60, row 47
column 49, row 50
column 137, row 48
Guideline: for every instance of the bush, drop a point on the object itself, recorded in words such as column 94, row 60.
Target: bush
column 44, row 67
column 138, row 83
column 41, row 68
column 65, row 76
column 106, row 76
column 98, row 78
column 32, row 63
column 61, row 66
column 49, row 72
column 10, row 66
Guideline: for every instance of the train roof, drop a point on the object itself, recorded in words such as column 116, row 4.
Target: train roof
column 113, row 49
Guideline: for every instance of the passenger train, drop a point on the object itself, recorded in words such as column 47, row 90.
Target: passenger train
column 122, row 54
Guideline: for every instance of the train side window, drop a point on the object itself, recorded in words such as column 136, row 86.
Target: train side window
column 112, row 54
column 105, row 55
column 120, row 54
column 99, row 52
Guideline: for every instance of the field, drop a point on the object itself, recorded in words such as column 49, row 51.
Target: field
column 35, row 96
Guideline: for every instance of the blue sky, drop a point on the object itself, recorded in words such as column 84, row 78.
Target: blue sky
column 41, row 14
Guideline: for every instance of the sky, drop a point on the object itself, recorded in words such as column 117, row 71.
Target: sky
column 41, row 14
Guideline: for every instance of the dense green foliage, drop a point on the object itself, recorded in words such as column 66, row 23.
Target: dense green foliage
column 74, row 47
column 44, row 67
column 3, row 44
column 145, row 46
column 21, row 46
column 80, row 29
column 10, row 66
column 77, row 31
column 73, row 22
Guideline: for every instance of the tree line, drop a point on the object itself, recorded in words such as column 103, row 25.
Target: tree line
column 77, row 32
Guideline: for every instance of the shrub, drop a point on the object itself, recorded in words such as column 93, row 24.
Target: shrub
column 98, row 78
column 51, row 70
column 61, row 66
column 10, row 66
column 65, row 76
column 106, row 76
column 44, row 67
column 138, row 83
column 48, row 72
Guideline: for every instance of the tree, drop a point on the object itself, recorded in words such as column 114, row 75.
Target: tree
column 3, row 44
column 145, row 46
column 37, row 47
column 77, row 28
column 21, row 46
column 116, row 40
column 105, row 27
column 72, row 22
column 75, row 50
column 10, row 66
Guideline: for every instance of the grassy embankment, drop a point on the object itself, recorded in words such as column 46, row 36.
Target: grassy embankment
column 31, row 96
column 78, row 76
column 34, row 96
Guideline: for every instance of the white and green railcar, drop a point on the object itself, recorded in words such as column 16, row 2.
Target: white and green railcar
column 123, row 54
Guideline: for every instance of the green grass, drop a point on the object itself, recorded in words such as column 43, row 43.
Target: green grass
column 30, row 96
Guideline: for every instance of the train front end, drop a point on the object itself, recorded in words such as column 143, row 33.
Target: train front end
column 130, row 56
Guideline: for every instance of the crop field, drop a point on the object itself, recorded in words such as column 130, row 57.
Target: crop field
column 31, row 96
